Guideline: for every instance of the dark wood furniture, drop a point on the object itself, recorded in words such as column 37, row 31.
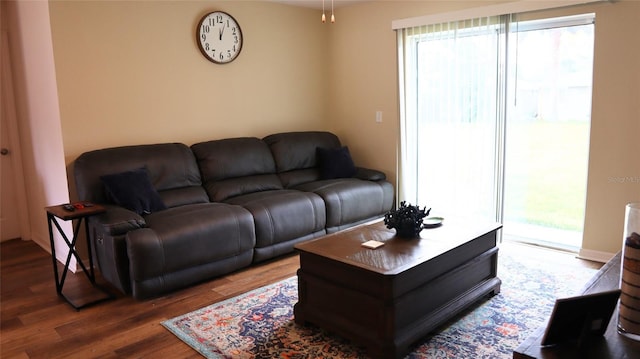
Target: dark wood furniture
column 611, row 345
column 80, row 212
column 388, row 298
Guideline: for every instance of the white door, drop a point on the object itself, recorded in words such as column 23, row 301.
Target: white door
column 9, row 220
column 10, row 190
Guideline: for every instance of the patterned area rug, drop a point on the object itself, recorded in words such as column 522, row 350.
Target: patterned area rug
column 259, row 324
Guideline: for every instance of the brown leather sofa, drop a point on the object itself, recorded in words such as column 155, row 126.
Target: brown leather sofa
column 179, row 215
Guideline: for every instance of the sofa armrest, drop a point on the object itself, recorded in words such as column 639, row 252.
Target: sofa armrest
column 369, row 174
column 117, row 220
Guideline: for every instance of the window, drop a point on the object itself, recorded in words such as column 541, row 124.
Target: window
column 472, row 93
column 547, row 127
column 451, row 105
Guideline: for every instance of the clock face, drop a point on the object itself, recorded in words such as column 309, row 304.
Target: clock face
column 219, row 37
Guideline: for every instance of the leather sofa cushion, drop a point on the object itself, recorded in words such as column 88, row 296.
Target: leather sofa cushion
column 170, row 166
column 292, row 178
column 219, row 191
column 186, row 244
column 236, row 166
column 233, row 157
column 182, row 196
column 351, row 200
column 297, row 150
column 201, row 233
column 283, row 215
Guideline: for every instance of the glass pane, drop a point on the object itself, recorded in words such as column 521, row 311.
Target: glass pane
column 547, row 143
column 456, row 130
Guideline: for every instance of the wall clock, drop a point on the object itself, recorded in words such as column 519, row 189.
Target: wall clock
column 219, row 37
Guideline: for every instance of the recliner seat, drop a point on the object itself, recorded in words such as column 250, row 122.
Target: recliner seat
column 241, row 171
column 192, row 240
column 348, row 201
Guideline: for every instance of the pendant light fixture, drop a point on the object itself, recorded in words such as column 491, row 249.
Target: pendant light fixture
column 333, row 18
column 324, row 17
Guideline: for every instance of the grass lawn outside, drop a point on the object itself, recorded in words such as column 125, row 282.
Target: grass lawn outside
column 546, row 173
column 545, row 176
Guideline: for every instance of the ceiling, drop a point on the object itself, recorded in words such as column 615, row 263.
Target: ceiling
column 317, row 4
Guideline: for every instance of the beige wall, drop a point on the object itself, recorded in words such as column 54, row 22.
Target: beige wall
column 129, row 72
column 614, row 156
column 364, row 79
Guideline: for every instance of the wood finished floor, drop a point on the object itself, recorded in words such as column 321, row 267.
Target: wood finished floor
column 36, row 323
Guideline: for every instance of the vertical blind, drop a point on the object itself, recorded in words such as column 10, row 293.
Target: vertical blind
column 450, row 99
column 453, row 109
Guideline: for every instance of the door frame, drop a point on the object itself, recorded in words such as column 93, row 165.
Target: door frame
column 8, row 111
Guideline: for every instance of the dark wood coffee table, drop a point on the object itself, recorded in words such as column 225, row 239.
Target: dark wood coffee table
column 389, row 298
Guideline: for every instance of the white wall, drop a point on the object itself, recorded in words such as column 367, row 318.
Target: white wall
column 38, row 115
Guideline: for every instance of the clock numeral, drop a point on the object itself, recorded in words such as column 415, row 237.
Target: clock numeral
column 206, row 46
column 206, row 28
column 203, row 37
column 218, row 19
column 221, row 56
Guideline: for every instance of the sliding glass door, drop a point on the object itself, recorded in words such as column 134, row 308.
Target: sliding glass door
column 495, row 120
column 457, row 107
column 547, row 127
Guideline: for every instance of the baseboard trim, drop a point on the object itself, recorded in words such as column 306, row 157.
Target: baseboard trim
column 596, row 256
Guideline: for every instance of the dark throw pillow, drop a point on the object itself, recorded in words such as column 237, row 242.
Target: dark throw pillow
column 133, row 190
column 335, row 163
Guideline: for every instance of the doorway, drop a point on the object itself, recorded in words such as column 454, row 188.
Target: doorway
column 13, row 219
column 495, row 120
column 9, row 217
column 547, row 131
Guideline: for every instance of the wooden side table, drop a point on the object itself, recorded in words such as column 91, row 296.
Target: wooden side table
column 80, row 212
column 610, row 346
